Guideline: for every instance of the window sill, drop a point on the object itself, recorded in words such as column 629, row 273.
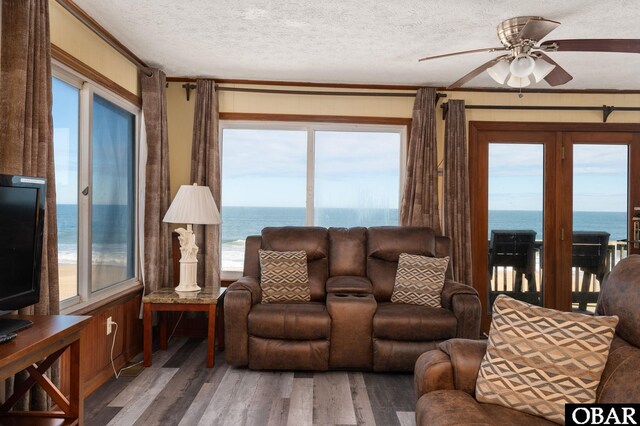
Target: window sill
column 105, row 298
column 230, row 275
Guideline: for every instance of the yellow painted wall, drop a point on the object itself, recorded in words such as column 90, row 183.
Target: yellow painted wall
column 75, row 38
column 180, row 112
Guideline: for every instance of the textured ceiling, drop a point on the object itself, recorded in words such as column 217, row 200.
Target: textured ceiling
column 371, row 41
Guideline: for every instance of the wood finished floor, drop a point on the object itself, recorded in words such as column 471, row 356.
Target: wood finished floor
column 179, row 390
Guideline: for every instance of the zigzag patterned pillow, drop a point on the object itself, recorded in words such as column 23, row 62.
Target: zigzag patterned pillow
column 419, row 280
column 284, row 276
column 540, row 359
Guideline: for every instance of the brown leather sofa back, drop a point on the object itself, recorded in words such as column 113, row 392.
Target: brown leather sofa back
column 384, row 245
column 620, row 295
column 314, row 241
column 355, row 252
column 348, row 252
column 251, row 259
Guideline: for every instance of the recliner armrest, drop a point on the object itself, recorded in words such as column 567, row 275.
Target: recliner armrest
column 453, row 366
column 433, row 371
column 452, row 289
column 250, row 284
column 238, row 301
column 466, row 356
column 463, row 300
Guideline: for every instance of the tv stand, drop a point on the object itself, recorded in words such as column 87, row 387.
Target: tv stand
column 35, row 350
column 11, row 325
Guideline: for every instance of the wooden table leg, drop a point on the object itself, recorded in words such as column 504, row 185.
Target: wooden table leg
column 76, row 400
column 220, row 325
column 163, row 330
column 211, row 336
column 147, row 335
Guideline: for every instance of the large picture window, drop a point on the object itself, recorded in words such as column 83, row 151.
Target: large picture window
column 95, row 146
column 279, row 174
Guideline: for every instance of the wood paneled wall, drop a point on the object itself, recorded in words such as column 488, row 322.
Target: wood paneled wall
column 95, row 346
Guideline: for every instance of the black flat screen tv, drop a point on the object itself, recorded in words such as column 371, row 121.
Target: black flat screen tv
column 22, row 208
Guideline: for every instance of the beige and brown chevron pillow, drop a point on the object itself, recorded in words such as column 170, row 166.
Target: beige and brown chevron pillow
column 419, row 280
column 540, row 359
column 284, row 276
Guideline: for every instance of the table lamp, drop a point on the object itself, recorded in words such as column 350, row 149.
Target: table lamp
column 193, row 205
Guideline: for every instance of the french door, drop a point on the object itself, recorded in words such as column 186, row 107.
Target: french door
column 553, row 209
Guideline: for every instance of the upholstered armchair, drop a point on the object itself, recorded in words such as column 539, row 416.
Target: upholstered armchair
column 445, row 378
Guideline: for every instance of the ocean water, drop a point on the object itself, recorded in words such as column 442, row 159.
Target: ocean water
column 112, row 237
column 615, row 223
column 113, row 245
column 239, row 222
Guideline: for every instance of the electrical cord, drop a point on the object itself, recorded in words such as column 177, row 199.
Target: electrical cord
column 113, row 343
column 175, row 327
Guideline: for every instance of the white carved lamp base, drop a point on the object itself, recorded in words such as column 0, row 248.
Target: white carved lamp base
column 188, row 275
column 188, row 261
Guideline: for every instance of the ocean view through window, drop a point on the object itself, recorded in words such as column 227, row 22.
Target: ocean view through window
column 113, row 199
column 306, row 174
column 95, row 143
column 66, row 103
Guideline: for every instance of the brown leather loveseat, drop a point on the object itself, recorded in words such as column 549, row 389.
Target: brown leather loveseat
column 445, row 379
column 350, row 322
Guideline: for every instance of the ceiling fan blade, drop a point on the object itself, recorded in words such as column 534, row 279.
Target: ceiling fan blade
column 558, row 76
column 537, row 28
column 621, row 45
column 488, row 49
column 476, row 72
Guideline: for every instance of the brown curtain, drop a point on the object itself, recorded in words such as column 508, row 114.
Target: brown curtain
column 457, row 216
column 205, row 170
column 26, row 140
column 157, row 197
column 420, row 195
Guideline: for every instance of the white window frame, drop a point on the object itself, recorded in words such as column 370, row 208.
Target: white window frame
column 311, row 128
column 88, row 89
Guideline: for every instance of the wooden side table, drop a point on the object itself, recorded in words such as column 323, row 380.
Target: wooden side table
column 166, row 299
column 47, row 338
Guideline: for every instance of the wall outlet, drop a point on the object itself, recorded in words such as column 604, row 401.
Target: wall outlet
column 109, row 325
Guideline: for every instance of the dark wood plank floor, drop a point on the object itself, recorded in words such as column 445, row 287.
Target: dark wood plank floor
column 179, row 390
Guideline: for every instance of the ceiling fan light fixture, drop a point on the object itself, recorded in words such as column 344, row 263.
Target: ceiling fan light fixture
column 518, row 82
column 522, row 65
column 542, row 69
column 499, row 72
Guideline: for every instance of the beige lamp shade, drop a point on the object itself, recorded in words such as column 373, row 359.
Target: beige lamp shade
column 193, row 204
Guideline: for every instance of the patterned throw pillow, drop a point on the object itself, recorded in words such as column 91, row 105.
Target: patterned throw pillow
column 284, row 276
column 540, row 359
column 419, row 280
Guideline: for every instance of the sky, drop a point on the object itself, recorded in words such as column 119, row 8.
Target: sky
column 113, row 153
column 599, row 179
column 268, row 168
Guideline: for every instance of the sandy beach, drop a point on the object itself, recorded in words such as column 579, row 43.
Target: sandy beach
column 105, row 274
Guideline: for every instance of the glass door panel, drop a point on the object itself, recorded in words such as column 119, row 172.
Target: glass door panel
column 515, row 218
column 600, row 200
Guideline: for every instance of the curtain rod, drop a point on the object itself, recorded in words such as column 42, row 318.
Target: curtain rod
column 606, row 109
column 188, row 87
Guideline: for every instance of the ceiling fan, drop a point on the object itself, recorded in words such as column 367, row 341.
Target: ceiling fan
column 525, row 57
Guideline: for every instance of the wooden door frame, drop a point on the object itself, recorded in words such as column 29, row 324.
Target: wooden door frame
column 557, row 186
